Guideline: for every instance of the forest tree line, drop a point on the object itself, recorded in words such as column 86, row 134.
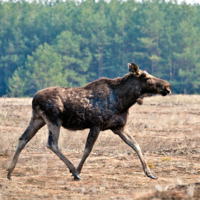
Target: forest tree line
column 70, row 43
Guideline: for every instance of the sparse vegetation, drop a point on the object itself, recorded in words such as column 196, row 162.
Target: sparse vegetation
column 171, row 146
column 166, row 159
column 151, row 165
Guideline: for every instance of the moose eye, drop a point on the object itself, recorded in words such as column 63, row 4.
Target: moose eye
column 143, row 75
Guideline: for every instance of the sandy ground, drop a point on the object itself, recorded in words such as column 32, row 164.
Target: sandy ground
column 167, row 129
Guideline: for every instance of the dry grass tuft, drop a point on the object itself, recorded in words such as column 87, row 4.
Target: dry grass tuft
column 166, row 159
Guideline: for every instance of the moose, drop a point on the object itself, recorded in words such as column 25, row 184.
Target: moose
column 100, row 105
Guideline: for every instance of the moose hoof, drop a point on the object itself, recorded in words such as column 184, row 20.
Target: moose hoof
column 77, row 177
column 151, row 176
column 9, row 176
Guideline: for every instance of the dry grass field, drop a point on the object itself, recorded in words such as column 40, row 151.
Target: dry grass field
column 167, row 129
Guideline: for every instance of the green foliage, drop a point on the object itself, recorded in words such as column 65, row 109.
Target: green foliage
column 16, row 85
column 43, row 69
column 48, row 43
column 75, row 62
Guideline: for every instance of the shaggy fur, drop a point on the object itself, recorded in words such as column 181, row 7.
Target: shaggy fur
column 100, row 105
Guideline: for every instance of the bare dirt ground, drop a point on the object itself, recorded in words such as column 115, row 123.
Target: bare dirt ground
column 167, row 129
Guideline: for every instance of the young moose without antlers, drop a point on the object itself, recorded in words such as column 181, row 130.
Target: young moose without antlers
column 100, row 105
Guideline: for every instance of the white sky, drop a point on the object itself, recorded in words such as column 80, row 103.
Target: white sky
column 187, row 1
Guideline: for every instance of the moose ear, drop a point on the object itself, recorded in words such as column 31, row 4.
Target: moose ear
column 133, row 68
column 129, row 67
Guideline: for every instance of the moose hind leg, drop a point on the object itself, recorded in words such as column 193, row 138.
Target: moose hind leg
column 34, row 125
column 128, row 139
column 52, row 144
column 93, row 134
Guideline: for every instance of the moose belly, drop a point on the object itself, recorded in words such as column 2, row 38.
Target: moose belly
column 80, row 120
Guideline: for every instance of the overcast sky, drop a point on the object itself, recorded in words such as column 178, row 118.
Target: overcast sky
column 187, row 1
column 190, row 1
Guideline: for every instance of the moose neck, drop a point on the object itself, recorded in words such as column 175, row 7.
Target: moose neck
column 127, row 91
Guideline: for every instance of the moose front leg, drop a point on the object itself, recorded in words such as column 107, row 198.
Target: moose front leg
column 128, row 139
column 92, row 137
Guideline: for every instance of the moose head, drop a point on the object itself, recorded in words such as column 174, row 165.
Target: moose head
column 148, row 83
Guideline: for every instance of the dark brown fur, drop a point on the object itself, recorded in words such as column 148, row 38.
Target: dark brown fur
column 100, row 105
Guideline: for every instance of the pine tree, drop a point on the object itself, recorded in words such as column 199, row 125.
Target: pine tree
column 75, row 61
column 43, row 69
